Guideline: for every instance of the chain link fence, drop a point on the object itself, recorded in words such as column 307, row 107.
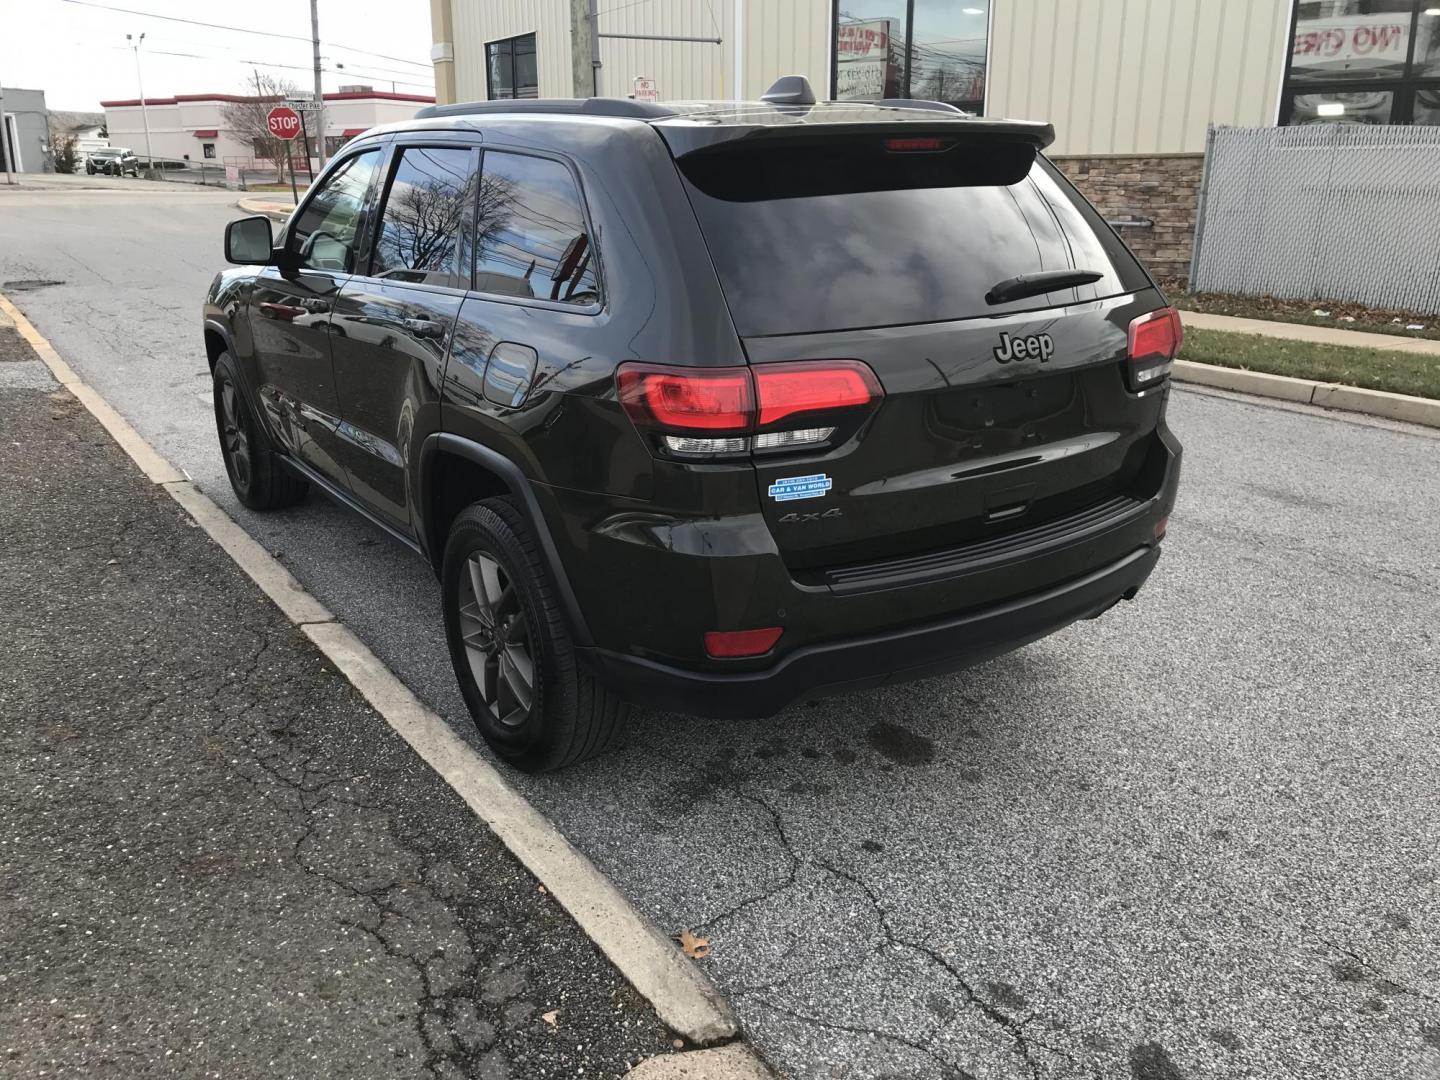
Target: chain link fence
column 1329, row 211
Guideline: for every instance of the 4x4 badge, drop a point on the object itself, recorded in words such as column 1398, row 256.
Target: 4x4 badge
column 1035, row 347
column 795, row 517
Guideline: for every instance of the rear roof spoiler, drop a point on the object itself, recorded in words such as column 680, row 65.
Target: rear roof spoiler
column 684, row 138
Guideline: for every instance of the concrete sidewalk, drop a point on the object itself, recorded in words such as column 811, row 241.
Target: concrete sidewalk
column 1319, row 335
column 217, row 859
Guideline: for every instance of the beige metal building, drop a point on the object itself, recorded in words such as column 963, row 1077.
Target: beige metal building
column 1131, row 86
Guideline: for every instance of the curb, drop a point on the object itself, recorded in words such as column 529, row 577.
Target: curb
column 682, row 996
column 266, row 208
column 1413, row 410
column 733, row 1062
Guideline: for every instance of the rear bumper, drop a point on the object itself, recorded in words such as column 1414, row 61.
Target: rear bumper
column 872, row 660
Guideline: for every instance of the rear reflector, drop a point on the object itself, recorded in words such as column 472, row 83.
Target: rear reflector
column 732, row 644
column 1161, row 526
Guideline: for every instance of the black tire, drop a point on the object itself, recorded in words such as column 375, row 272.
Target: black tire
column 570, row 716
column 260, row 479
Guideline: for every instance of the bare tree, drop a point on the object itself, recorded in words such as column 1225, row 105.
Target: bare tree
column 63, row 147
column 247, row 119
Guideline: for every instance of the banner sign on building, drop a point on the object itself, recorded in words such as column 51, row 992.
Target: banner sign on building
column 1352, row 41
column 864, row 63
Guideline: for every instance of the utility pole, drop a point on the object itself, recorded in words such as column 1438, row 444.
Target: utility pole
column 739, row 50
column 582, row 30
column 144, row 115
column 594, row 17
column 319, row 91
column 5, row 139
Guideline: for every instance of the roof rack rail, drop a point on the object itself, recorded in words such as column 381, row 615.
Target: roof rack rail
column 918, row 103
column 595, row 106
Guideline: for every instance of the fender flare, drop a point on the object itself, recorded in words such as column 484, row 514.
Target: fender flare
column 220, row 328
column 521, row 487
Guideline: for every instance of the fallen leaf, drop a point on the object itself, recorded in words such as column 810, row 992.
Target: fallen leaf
column 697, row 948
column 551, row 1018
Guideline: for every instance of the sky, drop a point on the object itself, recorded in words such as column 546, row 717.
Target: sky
column 78, row 55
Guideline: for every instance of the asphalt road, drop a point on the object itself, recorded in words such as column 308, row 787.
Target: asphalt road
column 215, row 859
column 1195, row 838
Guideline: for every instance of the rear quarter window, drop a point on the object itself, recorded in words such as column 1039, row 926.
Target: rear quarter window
column 848, row 235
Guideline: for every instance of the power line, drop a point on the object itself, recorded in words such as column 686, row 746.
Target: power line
column 292, row 67
column 241, row 30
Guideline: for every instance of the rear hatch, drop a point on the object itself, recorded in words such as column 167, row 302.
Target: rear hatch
column 905, row 246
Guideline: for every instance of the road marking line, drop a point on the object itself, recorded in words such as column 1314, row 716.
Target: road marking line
column 680, row 993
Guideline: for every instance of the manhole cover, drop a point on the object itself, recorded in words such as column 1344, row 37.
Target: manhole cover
column 25, row 284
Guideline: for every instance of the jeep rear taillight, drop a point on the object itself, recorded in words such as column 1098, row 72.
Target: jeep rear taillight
column 730, row 412
column 687, row 399
column 1154, row 343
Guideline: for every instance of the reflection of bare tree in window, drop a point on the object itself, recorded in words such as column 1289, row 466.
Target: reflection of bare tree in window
column 493, row 211
column 530, row 233
column 422, row 220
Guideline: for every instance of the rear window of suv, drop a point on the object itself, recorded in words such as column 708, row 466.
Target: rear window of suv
column 851, row 233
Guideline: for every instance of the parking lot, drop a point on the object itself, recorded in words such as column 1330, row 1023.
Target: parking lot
column 1194, row 838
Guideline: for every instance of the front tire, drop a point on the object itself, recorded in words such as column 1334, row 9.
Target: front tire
column 258, row 477
column 535, row 704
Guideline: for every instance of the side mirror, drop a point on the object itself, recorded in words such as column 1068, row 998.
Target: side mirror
column 249, row 242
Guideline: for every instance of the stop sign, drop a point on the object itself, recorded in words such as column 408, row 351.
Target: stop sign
column 283, row 122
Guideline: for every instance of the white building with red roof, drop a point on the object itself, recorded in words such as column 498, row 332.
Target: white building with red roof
column 192, row 127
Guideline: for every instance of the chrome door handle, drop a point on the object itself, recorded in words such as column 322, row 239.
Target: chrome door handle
column 425, row 328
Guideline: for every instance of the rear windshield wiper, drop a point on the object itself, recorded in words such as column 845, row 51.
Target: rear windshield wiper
column 1018, row 288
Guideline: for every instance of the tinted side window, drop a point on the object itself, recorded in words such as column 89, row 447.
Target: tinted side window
column 530, row 234
column 420, row 224
column 325, row 233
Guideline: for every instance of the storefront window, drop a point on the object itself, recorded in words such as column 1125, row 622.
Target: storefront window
column 948, row 53
column 1427, row 106
column 1364, row 62
column 931, row 49
column 1427, row 40
column 1366, row 107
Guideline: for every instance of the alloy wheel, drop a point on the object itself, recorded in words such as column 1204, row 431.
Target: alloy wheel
column 497, row 639
column 233, row 438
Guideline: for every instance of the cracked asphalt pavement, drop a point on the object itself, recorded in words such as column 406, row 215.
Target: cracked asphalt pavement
column 1196, row 838
column 215, row 859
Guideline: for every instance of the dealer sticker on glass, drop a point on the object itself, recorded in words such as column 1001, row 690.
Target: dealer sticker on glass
column 790, row 488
